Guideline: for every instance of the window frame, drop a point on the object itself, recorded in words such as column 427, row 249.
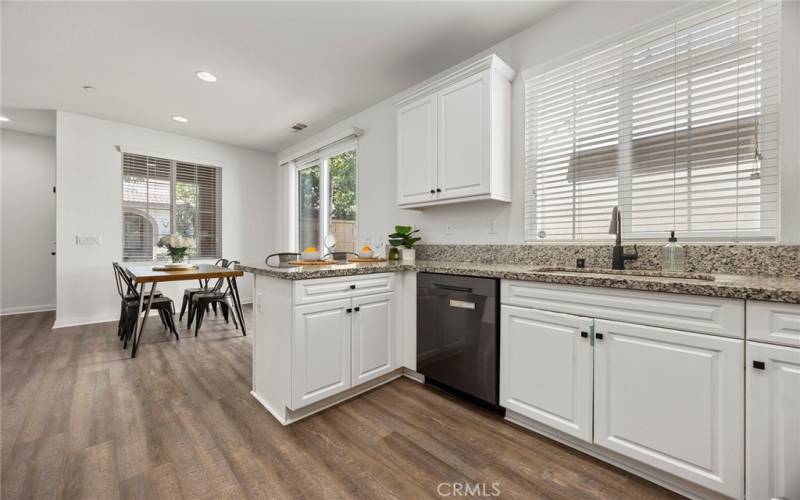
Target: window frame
column 321, row 158
column 173, row 166
column 770, row 211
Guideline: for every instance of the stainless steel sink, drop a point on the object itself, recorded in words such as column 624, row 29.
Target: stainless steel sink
column 621, row 274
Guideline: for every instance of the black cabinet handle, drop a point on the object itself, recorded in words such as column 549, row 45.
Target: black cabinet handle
column 349, row 310
column 433, row 191
column 598, row 336
column 438, row 190
column 585, row 334
column 759, row 365
column 357, row 309
column 352, row 287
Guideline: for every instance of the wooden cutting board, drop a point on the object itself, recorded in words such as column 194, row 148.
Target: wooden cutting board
column 366, row 259
column 311, row 262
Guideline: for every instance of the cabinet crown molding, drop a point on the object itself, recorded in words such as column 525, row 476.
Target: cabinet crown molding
column 491, row 61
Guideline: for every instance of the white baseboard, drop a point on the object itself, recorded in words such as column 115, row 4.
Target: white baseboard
column 27, row 309
column 85, row 320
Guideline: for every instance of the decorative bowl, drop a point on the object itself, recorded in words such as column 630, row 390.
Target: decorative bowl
column 311, row 255
column 366, row 253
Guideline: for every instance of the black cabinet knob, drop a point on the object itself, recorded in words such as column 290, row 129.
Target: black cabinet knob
column 357, row 309
column 585, row 334
column 433, row 191
column 438, row 190
column 349, row 310
column 598, row 336
column 352, row 287
column 759, row 365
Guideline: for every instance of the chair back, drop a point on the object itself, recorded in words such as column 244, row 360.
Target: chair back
column 282, row 258
column 125, row 284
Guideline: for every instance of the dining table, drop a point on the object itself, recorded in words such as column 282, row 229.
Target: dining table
column 142, row 275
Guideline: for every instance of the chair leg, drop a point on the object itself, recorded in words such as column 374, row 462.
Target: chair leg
column 192, row 308
column 214, row 307
column 199, row 320
column 171, row 319
column 224, row 309
column 183, row 306
column 161, row 314
column 232, row 312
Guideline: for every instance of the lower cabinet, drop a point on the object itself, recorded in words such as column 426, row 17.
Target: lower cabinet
column 546, row 368
column 339, row 344
column 773, row 421
column 666, row 398
column 372, row 337
column 672, row 400
column 320, row 351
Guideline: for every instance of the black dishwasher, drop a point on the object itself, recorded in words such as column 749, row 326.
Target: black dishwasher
column 458, row 336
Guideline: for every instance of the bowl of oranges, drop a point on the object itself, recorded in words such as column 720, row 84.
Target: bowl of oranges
column 311, row 253
column 366, row 252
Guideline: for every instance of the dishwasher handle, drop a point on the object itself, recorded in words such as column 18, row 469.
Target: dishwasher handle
column 453, row 288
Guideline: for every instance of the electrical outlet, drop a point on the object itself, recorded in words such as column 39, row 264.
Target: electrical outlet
column 88, row 239
column 450, row 230
column 260, row 302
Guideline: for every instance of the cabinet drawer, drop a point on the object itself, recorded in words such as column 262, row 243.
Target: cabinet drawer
column 321, row 289
column 773, row 322
column 691, row 313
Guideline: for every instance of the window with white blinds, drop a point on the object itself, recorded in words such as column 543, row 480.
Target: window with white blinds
column 161, row 197
column 676, row 124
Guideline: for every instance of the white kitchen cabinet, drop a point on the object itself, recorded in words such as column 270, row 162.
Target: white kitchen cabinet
column 416, row 151
column 373, row 347
column 546, row 368
column 773, row 421
column 773, row 322
column 320, row 351
column 672, row 400
column 453, row 137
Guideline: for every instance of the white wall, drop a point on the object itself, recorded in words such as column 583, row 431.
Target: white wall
column 568, row 29
column 89, row 202
column 28, row 227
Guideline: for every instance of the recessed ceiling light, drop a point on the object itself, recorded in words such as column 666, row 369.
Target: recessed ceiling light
column 4, row 119
column 206, row 76
column 88, row 88
column 179, row 119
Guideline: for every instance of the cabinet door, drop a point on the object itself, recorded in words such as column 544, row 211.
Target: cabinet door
column 320, row 351
column 672, row 400
column 546, row 368
column 464, row 168
column 373, row 337
column 773, row 422
column 416, row 151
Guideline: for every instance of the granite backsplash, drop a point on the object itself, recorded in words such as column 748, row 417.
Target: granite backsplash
column 765, row 260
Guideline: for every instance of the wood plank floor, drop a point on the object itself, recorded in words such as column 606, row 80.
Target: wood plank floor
column 80, row 419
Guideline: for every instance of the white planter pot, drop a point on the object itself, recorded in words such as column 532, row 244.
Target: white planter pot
column 408, row 254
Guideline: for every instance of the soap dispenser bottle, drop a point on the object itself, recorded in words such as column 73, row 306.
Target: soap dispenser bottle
column 672, row 255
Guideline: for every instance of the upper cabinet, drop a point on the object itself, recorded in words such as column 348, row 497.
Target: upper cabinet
column 453, row 137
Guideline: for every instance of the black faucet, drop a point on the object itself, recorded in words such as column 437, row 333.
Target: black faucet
column 619, row 256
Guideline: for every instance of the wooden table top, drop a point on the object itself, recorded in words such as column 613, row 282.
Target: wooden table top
column 146, row 274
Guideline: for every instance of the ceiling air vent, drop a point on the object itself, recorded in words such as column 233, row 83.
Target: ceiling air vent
column 297, row 127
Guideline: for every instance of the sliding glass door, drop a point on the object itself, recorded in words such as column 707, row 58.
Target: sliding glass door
column 327, row 200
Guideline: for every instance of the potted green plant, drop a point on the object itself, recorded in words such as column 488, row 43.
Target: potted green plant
column 404, row 239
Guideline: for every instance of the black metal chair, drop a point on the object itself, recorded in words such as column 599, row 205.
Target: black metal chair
column 189, row 292
column 283, row 259
column 221, row 294
column 130, row 307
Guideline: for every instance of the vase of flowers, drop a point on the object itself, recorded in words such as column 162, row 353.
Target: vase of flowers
column 178, row 247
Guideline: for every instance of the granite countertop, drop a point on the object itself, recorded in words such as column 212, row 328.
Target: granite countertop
column 711, row 285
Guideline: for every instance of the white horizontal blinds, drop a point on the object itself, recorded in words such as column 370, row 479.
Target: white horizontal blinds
column 697, row 123
column 572, row 140
column 197, row 206
column 146, row 204
column 162, row 196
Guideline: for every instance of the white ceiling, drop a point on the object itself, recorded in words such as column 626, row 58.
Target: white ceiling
column 278, row 63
